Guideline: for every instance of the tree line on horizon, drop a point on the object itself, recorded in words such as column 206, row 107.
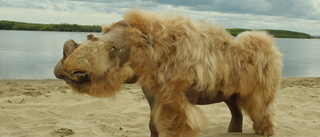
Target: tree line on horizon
column 13, row 25
column 275, row 33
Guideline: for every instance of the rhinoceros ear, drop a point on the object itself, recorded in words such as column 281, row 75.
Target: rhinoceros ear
column 92, row 37
column 116, row 36
column 68, row 47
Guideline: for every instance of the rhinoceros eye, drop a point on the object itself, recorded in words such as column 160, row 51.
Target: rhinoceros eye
column 112, row 48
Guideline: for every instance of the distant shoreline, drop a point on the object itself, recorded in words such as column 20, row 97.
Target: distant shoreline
column 13, row 25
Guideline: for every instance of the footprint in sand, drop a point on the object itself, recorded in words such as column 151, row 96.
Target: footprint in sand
column 62, row 132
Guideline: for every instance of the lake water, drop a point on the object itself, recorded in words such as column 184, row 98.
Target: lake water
column 33, row 54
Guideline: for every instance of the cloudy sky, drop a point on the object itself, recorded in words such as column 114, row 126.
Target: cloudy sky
column 296, row 15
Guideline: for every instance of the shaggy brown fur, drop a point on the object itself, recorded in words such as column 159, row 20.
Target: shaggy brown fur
column 171, row 54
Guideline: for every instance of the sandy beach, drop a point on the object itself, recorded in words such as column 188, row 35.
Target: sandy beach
column 38, row 108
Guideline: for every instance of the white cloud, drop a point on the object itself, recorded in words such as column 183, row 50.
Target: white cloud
column 57, row 17
column 271, row 14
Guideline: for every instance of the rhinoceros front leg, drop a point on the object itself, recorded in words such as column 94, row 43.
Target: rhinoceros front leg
column 152, row 126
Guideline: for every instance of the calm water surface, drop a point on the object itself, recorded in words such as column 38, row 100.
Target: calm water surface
column 33, row 54
column 301, row 57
